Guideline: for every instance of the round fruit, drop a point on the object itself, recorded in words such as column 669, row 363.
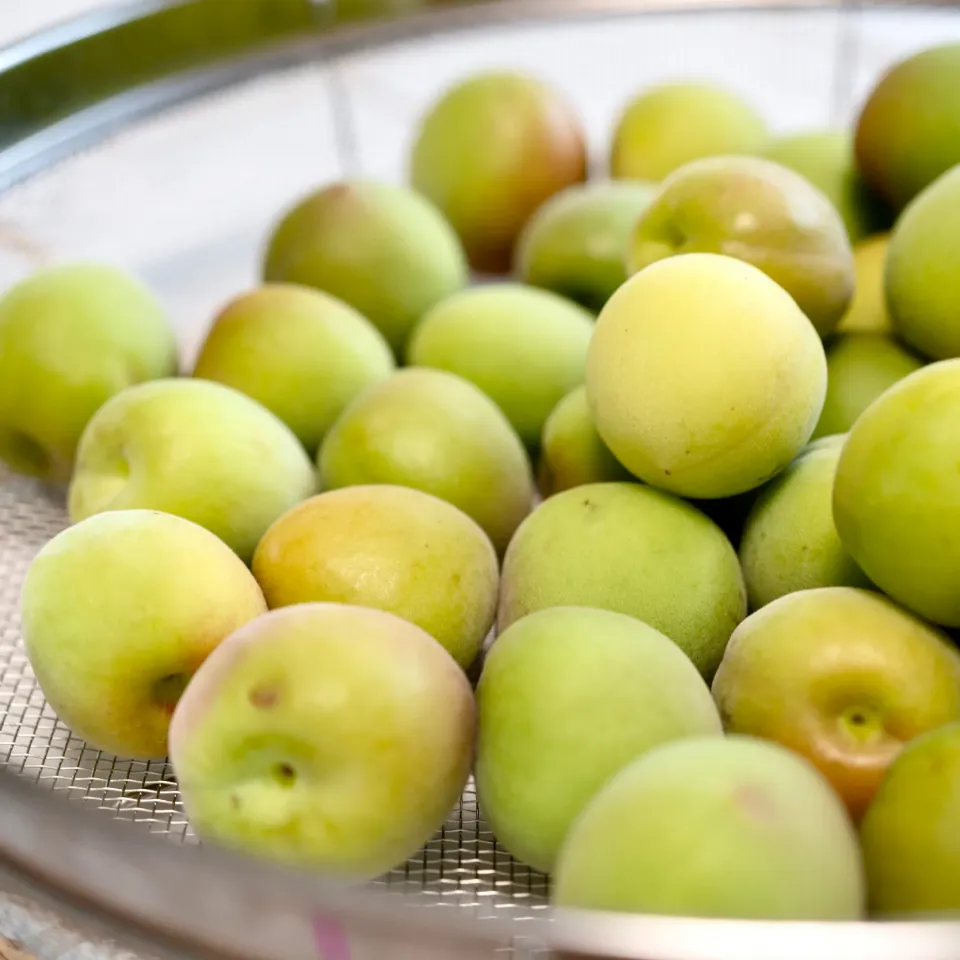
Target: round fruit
column 383, row 249
column 760, row 212
column 841, row 676
column 634, row 550
column 435, row 432
column 118, row 613
column 673, row 124
column 576, row 243
column 489, row 153
column 704, row 377
column 911, row 833
column 923, row 270
column 868, row 312
column 71, row 337
column 714, row 827
column 908, row 132
column 301, row 353
column 572, row 453
column 196, row 449
column 568, row 696
column 524, row 348
column 790, row 542
column 389, row 548
column 826, row 159
column 324, row 736
column 859, row 368
column 896, row 499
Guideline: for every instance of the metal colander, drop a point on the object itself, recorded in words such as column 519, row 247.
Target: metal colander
column 167, row 137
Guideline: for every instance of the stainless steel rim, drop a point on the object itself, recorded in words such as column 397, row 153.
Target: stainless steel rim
column 71, row 87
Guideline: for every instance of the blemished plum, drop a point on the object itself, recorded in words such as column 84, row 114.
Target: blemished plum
column 436, row 432
column 672, row 124
column 714, row 827
column 384, row 249
column 567, row 697
column 631, row 549
column 760, row 212
column 704, row 377
column 525, row 348
column 489, row 152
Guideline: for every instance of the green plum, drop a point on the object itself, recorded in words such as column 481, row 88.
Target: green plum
column 572, row 453
column 911, row 833
column 896, row 499
column 859, row 368
column 524, row 348
column 672, row 124
column 435, row 432
column 385, row 250
column 489, row 152
column 908, row 132
column 825, row 158
column 634, row 550
column 790, row 541
column 567, row 697
column 704, row 377
column 923, row 270
column 71, row 337
column 714, row 827
column 301, row 353
column 576, row 243
column 760, row 212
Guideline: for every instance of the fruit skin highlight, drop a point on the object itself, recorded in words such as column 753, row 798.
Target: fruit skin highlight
column 762, row 213
column 489, row 152
column 675, row 123
column 790, row 542
column 524, row 348
column 114, row 642
column 301, row 353
column 704, row 377
column 634, row 550
column 74, row 335
column 908, row 132
column 576, row 243
column 567, row 697
column 196, row 449
column 324, row 736
column 896, row 498
column 571, row 451
column 435, row 432
column 714, row 827
column 389, row 548
column 841, row 676
column 922, row 285
column 911, row 833
column 860, row 367
column 385, row 250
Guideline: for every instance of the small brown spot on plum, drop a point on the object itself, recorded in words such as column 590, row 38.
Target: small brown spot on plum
column 754, row 801
column 234, row 802
column 264, row 698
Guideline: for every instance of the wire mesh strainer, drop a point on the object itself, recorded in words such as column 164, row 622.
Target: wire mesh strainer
column 166, row 137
